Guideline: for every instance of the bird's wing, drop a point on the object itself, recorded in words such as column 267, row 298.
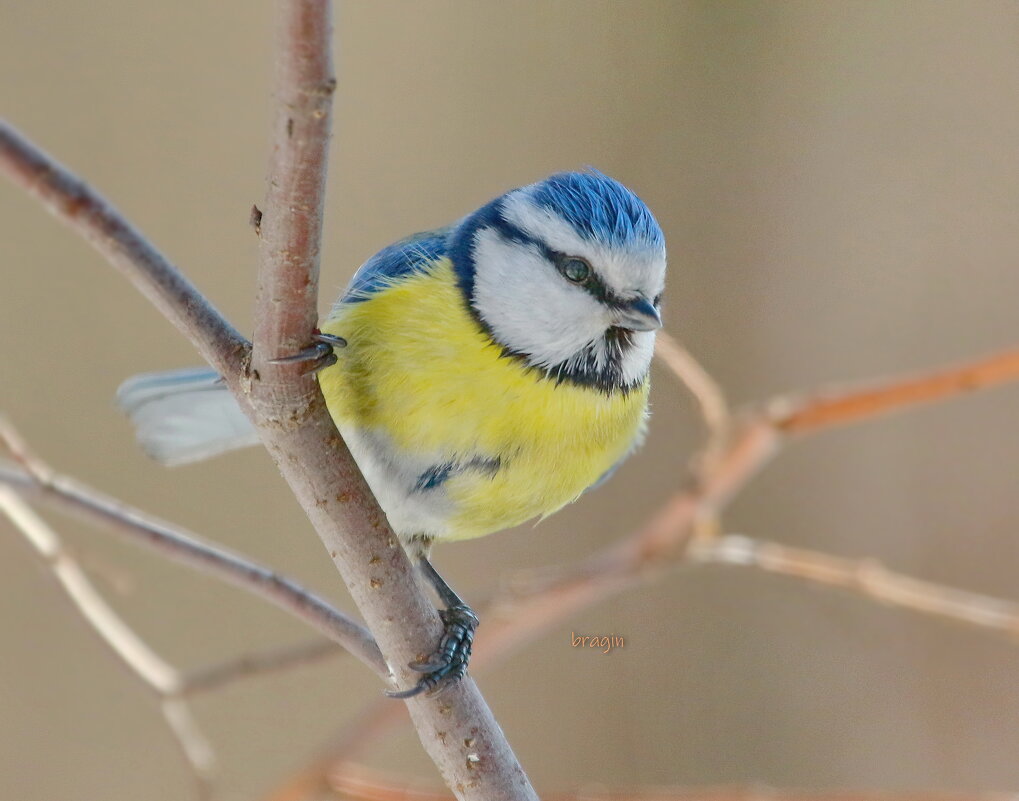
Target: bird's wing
column 637, row 442
column 604, row 477
column 402, row 258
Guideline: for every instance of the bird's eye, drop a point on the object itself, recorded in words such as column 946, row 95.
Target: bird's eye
column 575, row 269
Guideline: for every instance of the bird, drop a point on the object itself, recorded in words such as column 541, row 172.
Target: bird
column 482, row 374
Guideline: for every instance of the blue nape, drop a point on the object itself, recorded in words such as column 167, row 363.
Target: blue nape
column 410, row 255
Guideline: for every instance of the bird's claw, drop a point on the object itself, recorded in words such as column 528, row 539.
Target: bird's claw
column 319, row 355
column 448, row 664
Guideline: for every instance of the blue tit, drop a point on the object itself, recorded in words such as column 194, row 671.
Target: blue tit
column 493, row 370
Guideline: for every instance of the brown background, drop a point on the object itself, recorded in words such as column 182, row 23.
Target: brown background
column 839, row 186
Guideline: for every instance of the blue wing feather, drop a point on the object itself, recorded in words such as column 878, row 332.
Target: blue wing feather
column 413, row 254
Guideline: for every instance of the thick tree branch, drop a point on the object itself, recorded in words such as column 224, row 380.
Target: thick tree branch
column 287, row 408
column 290, row 230
column 299, row 433
column 79, row 206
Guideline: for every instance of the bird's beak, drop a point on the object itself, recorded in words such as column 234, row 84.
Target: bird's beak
column 639, row 314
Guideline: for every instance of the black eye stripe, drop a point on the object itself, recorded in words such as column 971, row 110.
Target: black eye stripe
column 593, row 285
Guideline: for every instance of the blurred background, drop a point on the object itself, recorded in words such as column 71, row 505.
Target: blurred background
column 839, row 187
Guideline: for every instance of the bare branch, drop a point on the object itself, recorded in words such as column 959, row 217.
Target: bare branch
column 77, row 205
column 192, row 743
column 188, row 549
column 296, row 428
column 300, row 436
column 532, row 606
column 706, row 391
column 213, row 677
column 39, row 479
column 525, row 614
column 865, row 577
column 150, row 668
column 290, row 225
column 824, row 410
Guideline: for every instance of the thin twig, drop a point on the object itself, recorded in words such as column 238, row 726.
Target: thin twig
column 193, row 745
column 76, row 204
column 754, row 443
column 186, row 548
column 839, row 407
column 38, row 479
column 865, row 577
column 215, row 676
column 710, row 397
column 528, row 609
column 151, row 669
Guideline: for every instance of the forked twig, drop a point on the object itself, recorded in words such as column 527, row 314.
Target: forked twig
column 287, row 409
column 752, row 444
column 35, row 478
column 529, row 609
column 151, row 669
column 297, row 430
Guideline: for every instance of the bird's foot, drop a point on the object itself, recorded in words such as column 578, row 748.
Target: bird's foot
column 448, row 664
column 319, row 355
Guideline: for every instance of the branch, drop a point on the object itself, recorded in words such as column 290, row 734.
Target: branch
column 290, row 228
column 213, row 677
column 865, row 577
column 145, row 664
column 710, row 397
column 533, row 606
column 36, row 479
column 296, row 428
column 833, row 408
column 290, row 413
column 667, row 535
column 79, row 206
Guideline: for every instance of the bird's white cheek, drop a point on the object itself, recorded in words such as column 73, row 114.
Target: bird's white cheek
column 528, row 306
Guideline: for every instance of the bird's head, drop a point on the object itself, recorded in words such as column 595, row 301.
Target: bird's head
column 567, row 274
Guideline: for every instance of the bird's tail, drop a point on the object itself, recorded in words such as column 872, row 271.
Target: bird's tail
column 183, row 416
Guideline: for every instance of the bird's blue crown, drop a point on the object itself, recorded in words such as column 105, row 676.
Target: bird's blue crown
column 597, row 207
column 600, row 208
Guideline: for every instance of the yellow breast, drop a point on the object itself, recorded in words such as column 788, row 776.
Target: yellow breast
column 421, row 375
